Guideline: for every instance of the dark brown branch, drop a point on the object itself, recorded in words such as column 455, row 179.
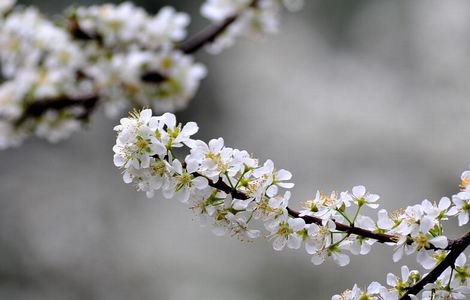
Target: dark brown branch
column 380, row 237
column 77, row 32
column 457, row 247
column 206, row 36
column 209, row 34
column 36, row 109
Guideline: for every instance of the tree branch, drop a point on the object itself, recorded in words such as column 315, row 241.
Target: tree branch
column 457, row 247
column 36, row 109
column 207, row 35
column 379, row 237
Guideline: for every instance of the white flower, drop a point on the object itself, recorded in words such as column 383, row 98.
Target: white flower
column 240, row 229
column 465, row 183
column 167, row 26
column 136, row 142
column 118, row 25
column 384, row 222
column 462, row 207
column 359, row 245
column 285, row 232
column 318, row 237
column 429, row 258
column 241, row 162
column 360, row 195
column 183, row 181
column 213, row 157
column 408, row 278
column 437, row 212
column 176, row 136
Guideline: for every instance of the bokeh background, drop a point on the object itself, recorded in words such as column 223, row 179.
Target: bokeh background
column 349, row 92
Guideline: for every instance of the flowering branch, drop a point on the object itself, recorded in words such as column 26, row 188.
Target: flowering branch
column 456, row 248
column 379, row 237
column 227, row 188
column 116, row 54
column 202, row 38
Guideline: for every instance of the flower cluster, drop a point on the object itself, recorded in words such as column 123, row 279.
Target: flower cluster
column 54, row 73
column 453, row 283
column 256, row 18
column 126, row 45
column 228, row 188
column 39, row 61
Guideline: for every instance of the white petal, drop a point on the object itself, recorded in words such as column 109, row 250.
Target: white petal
column 425, row 260
column 398, row 254
column 439, row 242
column 463, row 218
column 127, row 177
column 192, row 165
column 286, row 185
column 145, row 115
column 365, row 249
column 118, row 160
column 216, row 144
column 177, row 167
column 317, row 259
column 405, row 273
column 200, row 183
column 426, row 224
column 283, row 175
column 341, row 259
column 444, row 203
column 182, row 195
column 310, row 247
column 359, row 191
column 279, row 243
column 392, row 280
column 169, row 119
column 296, row 224
column 240, row 204
column 374, row 288
column 190, row 128
column 372, row 198
column 294, row 241
column 272, row 191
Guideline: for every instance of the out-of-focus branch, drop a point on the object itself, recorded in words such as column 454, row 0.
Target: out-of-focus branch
column 457, row 247
column 191, row 45
column 77, row 32
column 36, row 109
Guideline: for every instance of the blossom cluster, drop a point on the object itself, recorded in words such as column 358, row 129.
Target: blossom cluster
column 453, row 283
column 228, row 188
column 115, row 53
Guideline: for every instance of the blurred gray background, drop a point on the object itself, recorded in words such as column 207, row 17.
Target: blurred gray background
column 350, row 92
